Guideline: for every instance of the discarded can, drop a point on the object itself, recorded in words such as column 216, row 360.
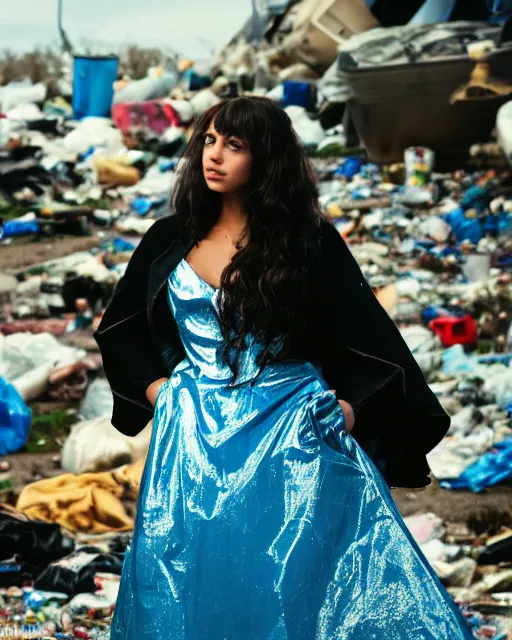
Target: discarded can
column 419, row 162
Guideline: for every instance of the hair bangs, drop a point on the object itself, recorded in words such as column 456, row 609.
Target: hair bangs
column 240, row 118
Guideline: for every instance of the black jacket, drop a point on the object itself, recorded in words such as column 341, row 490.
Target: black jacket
column 362, row 354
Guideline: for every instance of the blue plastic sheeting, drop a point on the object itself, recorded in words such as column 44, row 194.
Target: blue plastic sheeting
column 93, row 86
column 15, row 419
column 19, row 228
column 490, row 469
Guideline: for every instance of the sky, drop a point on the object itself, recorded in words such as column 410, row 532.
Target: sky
column 193, row 28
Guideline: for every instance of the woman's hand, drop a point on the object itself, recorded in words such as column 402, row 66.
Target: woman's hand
column 153, row 389
column 348, row 413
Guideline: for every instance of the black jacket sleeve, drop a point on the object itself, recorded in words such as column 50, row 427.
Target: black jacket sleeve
column 123, row 336
column 416, row 422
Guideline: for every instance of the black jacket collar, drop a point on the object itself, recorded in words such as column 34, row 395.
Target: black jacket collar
column 165, row 264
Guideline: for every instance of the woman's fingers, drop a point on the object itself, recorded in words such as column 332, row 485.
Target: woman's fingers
column 348, row 413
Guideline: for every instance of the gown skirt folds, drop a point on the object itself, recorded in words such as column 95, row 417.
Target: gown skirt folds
column 259, row 516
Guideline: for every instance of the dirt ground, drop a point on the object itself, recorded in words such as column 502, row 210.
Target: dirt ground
column 482, row 512
column 21, row 253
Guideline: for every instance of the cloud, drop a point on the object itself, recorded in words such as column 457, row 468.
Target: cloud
column 180, row 25
column 41, row 13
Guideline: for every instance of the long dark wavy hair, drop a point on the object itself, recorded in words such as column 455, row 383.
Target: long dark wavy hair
column 267, row 290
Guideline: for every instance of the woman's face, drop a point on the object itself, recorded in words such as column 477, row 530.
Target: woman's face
column 227, row 162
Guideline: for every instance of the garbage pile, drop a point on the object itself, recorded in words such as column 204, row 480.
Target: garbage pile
column 73, row 582
column 437, row 249
column 469, row 568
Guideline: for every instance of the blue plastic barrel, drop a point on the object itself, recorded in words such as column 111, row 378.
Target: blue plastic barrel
column 93, row 86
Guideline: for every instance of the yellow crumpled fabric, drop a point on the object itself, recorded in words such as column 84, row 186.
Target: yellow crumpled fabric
column 88, row 502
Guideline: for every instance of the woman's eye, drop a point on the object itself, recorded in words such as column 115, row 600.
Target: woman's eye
column 235, row 145
column 208, row 139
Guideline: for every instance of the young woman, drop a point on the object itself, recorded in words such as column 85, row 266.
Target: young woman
column 284, row 403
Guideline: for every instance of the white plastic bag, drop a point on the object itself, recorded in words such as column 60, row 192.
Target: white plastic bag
column 504, row 129
column 203, row 100
column 95, row 445
column 94, row 132
column 18, row 93
column 98, row 400
column 310, row 132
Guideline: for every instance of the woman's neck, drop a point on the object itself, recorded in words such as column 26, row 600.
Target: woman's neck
column 232, row 216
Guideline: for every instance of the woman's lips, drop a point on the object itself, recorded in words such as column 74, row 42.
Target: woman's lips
column 213, row 175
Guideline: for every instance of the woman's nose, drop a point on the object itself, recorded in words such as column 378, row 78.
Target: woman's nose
column 216, row 154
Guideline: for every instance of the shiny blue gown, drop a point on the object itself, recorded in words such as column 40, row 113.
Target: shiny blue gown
column 259, row 517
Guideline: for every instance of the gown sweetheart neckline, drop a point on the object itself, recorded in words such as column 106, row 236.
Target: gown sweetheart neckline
column 210, row 286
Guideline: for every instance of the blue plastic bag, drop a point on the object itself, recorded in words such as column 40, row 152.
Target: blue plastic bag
column 476, row 198
column 490, row 469
column 143, row 204
column 19, row 228
column 351, row 167
column 464, row 228
column 15, row 419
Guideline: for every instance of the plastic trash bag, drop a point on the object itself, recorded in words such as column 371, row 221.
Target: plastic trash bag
column 98, row 401
column 19, row 93
column 493, row 467
column 19, row 228
column 95, row 445
column 203, row 100
column 94, row 132
column 500, row 384
column 15, row 419
column 452, row 456
column 27, row 359
column 504, row 129
column 464, row 228
column 149, row 88
column 310, row 132
column 74, row 574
